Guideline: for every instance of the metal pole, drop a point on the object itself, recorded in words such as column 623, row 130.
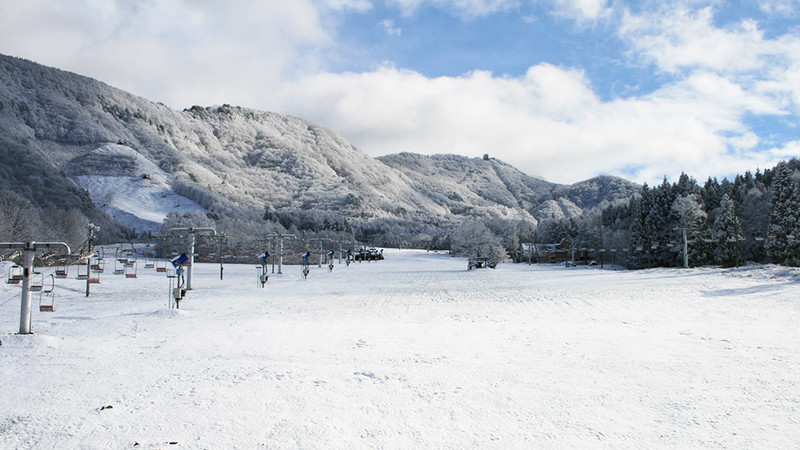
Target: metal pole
column 280, row 256
column 25, row 308
column 89, row 243
column 190, row 271
column 88, row 266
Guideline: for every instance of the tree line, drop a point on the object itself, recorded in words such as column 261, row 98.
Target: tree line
column 752, row 218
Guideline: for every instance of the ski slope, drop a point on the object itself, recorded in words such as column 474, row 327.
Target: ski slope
column 411, row 352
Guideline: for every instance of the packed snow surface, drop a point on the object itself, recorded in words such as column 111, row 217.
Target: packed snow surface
column 133, row 190
column 414, row 351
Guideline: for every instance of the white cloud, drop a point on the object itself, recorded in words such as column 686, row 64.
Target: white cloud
column 207, row 51
column 681, row 38
column 390, row 28
column 787, row 151
column 780, row 7
column 346, row 5
column 581, row 10
column 468, row 9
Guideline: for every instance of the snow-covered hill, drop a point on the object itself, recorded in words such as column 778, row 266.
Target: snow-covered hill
column 486, row 187
column 227, row 158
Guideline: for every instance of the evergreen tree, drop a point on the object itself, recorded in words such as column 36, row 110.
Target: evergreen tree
column 782, row 234
column 659, row 224
column 640, row 239
column 727, row 233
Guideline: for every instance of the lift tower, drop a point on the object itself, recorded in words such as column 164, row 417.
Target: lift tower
column 192, row 232
column 29, row 250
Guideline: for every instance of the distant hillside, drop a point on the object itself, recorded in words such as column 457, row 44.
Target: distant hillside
column 490, row 188
column 69, row 141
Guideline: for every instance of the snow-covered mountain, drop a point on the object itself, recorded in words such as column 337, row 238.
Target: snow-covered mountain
column 486, row 187
column 71, row 141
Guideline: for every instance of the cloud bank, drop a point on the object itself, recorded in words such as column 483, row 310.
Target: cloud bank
column 550, row 121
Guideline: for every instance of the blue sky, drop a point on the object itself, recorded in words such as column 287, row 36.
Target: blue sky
column 562, row 89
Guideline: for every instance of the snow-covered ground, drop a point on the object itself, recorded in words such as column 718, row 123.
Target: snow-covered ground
column 410, row 352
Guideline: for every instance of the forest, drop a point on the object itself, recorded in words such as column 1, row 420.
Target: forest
column 753, row 218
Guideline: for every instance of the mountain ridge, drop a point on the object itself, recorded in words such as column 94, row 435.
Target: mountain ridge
column 229, row 159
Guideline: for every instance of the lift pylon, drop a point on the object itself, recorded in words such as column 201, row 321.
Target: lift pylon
column 192, row 232
column 29, row 250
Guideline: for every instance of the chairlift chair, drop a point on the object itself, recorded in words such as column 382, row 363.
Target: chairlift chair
column 119, row 266
column 130, row 270
column 62, row 272
column 149, row 264
column 161, row 266
column 98, row 266
column 83, row 272
column 34, row 286
column 14, row 275
column 47, row 306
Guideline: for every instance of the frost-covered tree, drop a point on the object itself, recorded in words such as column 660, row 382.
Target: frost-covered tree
column 693, row 220
column 727, row 233
column 475, row 239
column 782, row 233
column 18, row 218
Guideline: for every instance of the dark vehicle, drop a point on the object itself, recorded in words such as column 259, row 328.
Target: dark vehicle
column 481, row 263
column 371, row 254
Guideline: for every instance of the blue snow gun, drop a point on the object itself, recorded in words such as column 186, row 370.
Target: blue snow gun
column 263, row 258
column 177, row 262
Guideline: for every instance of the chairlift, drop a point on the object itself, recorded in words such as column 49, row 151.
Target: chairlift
column 34, row 286
column 62, row 272
column 98, row 266
column 83, row 272
column 119, row 266
column 131, row 254
column 14, row 275
column 149, row 264
column 47, row 306
column 161, row 266
column 130, row 270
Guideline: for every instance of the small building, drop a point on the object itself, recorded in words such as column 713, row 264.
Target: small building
column 548, row 253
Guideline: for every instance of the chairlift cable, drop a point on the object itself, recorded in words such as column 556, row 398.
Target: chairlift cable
column 9, row 299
